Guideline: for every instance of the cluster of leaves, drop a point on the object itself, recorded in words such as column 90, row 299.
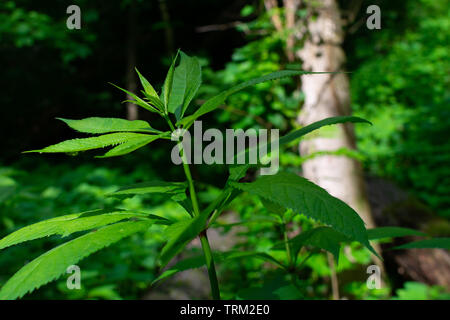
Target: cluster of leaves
column 285, row 194
column 39, row 190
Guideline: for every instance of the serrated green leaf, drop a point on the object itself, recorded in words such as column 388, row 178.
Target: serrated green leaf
column 146, row 85
column 69, row 224
column 107, row 125
column 302, row 196
column 152, row 187
column 392, row 232
column 129, row 146
column 216, row 101
column 54, row 263
column 273, row 207
column 138, row 101
column 150, row 93
column 436, row 243
column 154, row 101
column 91, row 143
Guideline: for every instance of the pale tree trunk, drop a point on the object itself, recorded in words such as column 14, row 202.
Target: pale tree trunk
column 329, row 96
column 131, row 81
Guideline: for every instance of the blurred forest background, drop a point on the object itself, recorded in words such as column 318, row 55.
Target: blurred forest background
column 399, row 80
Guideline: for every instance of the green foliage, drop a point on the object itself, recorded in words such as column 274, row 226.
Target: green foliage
column 186, row 81
column 68, row 224
column 129, row 141
column 420, row 291
column 297, row 195
column 402, row 85
column 216, row 101
column 53, row 263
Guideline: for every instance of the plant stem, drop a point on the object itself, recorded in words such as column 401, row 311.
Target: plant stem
column 288, row 247
column 215, row 291
column 203, row 237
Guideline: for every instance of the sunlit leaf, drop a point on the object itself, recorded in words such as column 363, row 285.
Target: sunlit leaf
column 54, row 263
column 68, row 224
column 107, row 125
column 91, row 143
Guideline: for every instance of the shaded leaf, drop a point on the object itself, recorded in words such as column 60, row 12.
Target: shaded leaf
column 436, row 243
column 152, row 187
column 392, row 232
column 302, row 196
column 324, row 238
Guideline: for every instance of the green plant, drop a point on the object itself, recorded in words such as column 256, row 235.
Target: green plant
column 285, row 194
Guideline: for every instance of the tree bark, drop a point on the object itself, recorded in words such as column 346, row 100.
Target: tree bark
column 131, row 81
column 329, row 96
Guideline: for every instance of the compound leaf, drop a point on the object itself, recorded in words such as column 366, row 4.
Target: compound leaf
column 76, row 145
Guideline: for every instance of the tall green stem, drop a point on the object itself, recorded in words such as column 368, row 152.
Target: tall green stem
column 203, row 237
